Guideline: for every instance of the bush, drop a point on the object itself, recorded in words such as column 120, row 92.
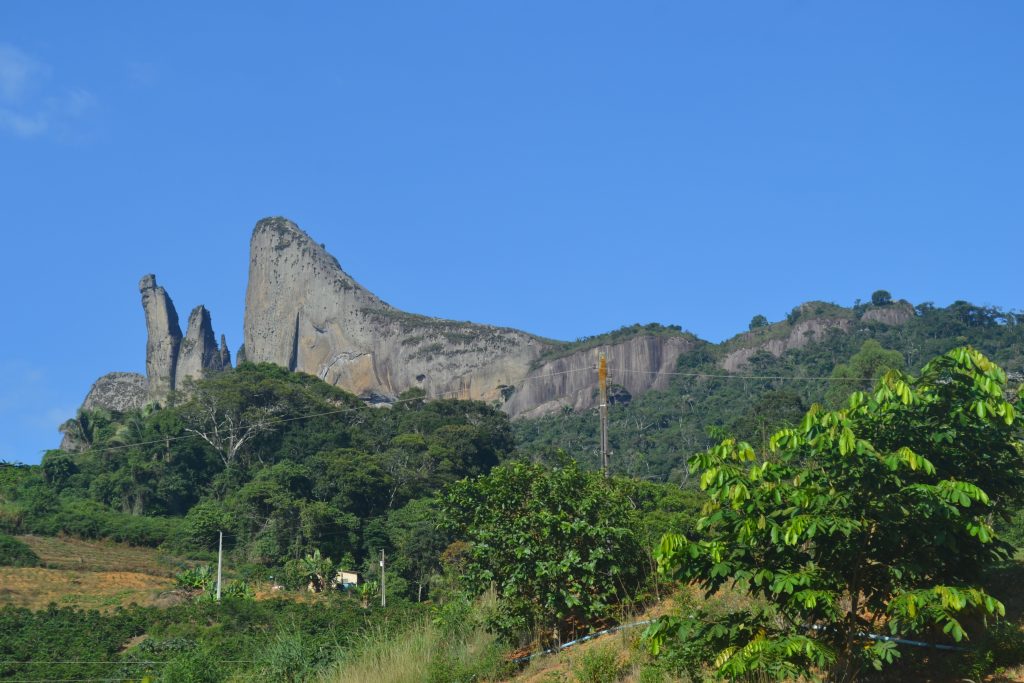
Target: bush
column 201, row 526
column 88, row 519
column 600, row 665
column 881, row 297
column 14, row 553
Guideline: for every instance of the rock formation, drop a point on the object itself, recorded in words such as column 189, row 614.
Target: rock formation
column 302, row 311
column 199, row 355
column 170, row 359
column 163, row 340
column 637, row 365
column 893, row 314
column 801, row 334
column 117, row 391
column 225, row 354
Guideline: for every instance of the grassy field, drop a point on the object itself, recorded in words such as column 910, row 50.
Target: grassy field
column 35, row 588
column 60, row 552
column 90, row 574
column 104, row 575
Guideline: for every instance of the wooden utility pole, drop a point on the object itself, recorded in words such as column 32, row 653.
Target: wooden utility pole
column 602, row 378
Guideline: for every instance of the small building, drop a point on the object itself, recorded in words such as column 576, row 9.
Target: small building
column 344, row 580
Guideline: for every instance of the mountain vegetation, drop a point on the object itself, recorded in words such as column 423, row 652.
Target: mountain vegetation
column 651, row 435
column 865, row 480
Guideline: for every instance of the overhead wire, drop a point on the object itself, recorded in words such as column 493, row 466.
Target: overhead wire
column 352, row 409
column 457, row 392
column 711, row 375
column 133, row 662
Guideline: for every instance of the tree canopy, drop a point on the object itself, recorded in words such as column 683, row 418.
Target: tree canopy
column 872, row 518
column 561, row 545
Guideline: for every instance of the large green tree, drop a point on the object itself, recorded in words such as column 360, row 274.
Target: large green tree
column 873, row 518
column 560, row 545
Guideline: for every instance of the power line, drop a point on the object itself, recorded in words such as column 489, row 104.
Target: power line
column 455, row 392
column 274, row 421
column 709, row 375
column 69, row 680
column 133, row 662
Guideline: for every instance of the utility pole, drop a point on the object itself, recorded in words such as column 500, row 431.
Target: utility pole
column 383, row 590
column 220, row 558
column 602, row 377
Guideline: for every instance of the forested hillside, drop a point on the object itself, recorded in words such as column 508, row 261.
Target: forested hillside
column 651, row 436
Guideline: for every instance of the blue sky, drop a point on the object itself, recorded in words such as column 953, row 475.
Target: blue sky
column 565, row 168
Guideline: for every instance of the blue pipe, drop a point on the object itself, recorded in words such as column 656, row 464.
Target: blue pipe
column 901, row 641
column 815, row 627
column 553, row 650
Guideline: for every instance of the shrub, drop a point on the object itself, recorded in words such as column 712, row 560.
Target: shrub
column 88, row 519
column 14, row 553
column 562, row 545
column 599, row 665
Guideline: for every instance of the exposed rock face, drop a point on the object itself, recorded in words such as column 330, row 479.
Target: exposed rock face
column 199, row 355
column 302, row 311
column 225, row 354
column 893, row 314
column 637, row 364
column 118, row 392
column 802, row 333
column 163, row 337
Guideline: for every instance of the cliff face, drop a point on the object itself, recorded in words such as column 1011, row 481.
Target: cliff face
column 893, row 314
column 637, row 365
column 810, row 330
column 302, row 311
column 803, row 333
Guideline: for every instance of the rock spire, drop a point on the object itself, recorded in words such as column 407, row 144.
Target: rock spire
column 163, row 340
column 199, row 355
column 171, row 358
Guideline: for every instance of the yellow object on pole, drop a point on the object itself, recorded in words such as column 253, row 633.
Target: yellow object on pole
column 602, row 378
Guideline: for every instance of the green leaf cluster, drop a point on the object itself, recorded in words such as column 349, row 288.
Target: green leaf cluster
column 875, row 517
column 560, row 545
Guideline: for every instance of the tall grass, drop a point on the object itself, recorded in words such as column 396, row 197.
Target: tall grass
column 387, row 658
column 451, row 647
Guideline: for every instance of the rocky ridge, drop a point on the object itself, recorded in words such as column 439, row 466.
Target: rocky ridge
column 816, row 320
column 305, row 313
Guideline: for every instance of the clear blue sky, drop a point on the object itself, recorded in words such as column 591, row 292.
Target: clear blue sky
column 562, row 167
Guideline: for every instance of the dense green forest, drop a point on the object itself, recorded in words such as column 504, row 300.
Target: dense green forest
column 508, row 529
